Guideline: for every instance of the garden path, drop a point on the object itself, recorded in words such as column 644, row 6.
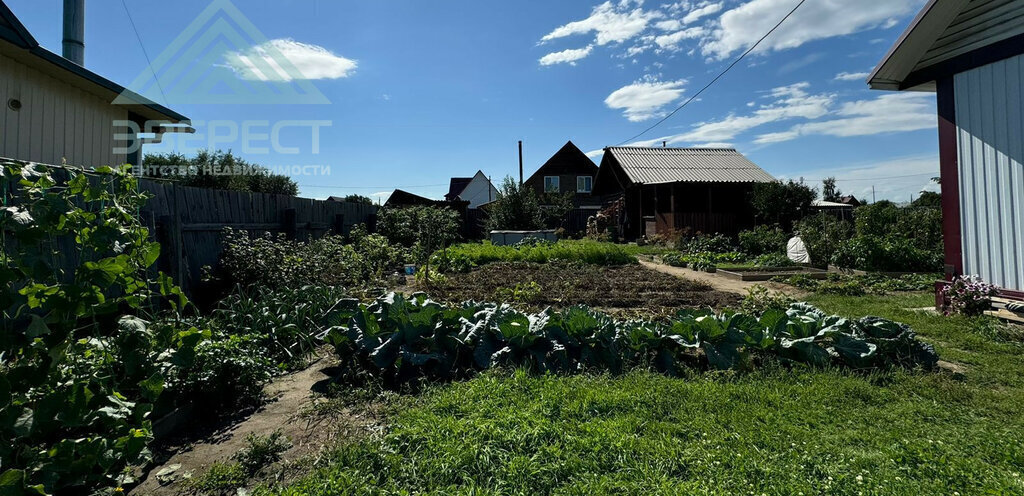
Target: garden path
column 721, row 283
column 289, row 396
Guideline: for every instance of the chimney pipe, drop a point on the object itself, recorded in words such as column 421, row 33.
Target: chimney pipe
column 664, row 144
column 74, row 31
column 520, row 162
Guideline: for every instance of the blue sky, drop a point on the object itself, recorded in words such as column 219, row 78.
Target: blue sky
column 419, row 91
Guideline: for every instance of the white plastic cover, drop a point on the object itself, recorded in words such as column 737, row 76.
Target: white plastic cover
column 797, row 251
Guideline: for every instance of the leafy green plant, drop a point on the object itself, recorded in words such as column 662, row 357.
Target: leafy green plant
column 585, row 251
column 706, row 243
column 763, row 240
column 760, row 299
column 517, row 208
column 521, row 293
column 221, row 477
column 260, row 451
column 276, row 262
column 400, row 340
column 81, row 369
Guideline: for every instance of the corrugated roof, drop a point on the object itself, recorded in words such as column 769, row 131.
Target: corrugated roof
column 689, row 165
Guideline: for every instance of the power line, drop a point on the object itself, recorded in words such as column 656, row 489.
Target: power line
column 713, row 81
column 872, row 178
column 372, row 187
column 144, row 52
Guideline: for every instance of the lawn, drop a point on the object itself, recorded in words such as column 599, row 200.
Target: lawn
column 774, row 431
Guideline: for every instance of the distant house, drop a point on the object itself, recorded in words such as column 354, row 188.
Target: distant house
column 476, row 190
column 971, row 53
column 571, row 171
column 849, row 200
column 696, row 189
column 54, row 109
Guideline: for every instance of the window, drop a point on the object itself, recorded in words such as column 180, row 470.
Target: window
column 551, row 184
column 584, row 184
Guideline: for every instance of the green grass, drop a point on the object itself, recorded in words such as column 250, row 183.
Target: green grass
column 585, row 251
column 770, row 432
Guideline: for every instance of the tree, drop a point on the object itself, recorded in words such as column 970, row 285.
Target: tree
column 829, row 191
column 555, row 208
column 782, row 203
column 218, row 170
column 517, row 208
column 358, row 199
column 928, row 199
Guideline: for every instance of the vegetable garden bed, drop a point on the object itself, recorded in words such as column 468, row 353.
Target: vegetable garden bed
column 768, row 273
column 559, row 284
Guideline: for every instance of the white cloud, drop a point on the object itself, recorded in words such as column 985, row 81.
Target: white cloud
column 788, row 102
column 270, row 61
column 595, row 154
column 889, row 113
column 739, row 28
column 613, row 23
column 669, row 25
column 569, row 56
column 852, row 76
column 706, row 10
column 671, row 41
column 895, row 179
column 645, row 99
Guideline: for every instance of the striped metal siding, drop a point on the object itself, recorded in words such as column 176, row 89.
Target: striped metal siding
column 57, row 121
column 990, row 122
column 980, row 23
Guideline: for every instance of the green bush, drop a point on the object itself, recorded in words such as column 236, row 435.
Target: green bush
column 823, row 234
column 585, row 251
column 517, row 208
column 782, row 203
column 888, row 254
column 706, row 243
column 399, row 340
column 408, row 226
column 81, row 368
column 276, row 262
column 763, row 240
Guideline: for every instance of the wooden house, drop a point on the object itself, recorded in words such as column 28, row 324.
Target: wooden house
column 570, row 171
column 54, row 109
column 971, row 54
column 476, row 190
column 700, row 190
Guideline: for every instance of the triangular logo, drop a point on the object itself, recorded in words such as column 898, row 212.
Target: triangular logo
column 201, row 66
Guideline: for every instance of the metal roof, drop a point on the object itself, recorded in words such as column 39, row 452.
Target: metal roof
column 689, row 165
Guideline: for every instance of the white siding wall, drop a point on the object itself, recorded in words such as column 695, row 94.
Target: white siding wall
column 990, row 121
column 57, row 121
column 479, row 191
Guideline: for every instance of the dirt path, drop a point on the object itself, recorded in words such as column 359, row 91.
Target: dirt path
column 288, row 397
column 719, row 282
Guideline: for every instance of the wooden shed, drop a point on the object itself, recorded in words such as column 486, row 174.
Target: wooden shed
column 703, row 190
column 971, row 54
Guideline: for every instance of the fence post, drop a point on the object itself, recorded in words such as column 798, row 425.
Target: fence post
column 290, row 226
column 339, row 224
column 371, row 223
column 169, row 234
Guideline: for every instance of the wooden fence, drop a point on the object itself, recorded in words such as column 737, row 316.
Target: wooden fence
column 188, row 222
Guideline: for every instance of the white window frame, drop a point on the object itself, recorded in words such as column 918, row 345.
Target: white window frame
column 555, row 180
column 581, row 190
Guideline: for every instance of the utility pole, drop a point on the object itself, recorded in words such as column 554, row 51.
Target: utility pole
column 520, row 163
column 873, row 194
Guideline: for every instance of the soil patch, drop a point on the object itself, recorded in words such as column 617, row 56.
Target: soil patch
column 629, row 290
column 290, row 399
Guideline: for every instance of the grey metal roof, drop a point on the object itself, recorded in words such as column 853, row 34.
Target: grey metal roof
column 690, row 165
